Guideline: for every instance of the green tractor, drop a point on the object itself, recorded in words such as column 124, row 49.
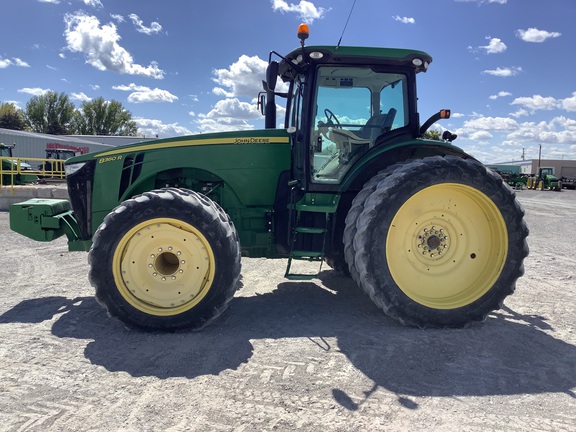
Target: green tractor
column 544, row 180
column 432, row 236
column 13, row 171
column 53, row 166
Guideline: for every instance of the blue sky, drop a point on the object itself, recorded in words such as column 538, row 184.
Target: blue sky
column 506, row 68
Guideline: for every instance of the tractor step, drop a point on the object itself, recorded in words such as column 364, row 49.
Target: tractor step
column 311, row 203
column 299, row 277
column 307, row 255
column 310, row 256
column 308, row 230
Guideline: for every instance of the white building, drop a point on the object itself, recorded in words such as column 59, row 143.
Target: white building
column 34, row 145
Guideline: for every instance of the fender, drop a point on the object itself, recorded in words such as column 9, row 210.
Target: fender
column 390, row 153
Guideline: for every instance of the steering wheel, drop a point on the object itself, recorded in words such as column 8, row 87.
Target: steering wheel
column 332, row 119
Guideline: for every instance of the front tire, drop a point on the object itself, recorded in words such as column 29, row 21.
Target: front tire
column 439, row 242
column 165, row 260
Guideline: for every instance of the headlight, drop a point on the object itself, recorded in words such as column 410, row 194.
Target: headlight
column 72, row 168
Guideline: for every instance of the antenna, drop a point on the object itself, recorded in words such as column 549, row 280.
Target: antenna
column 346, row 25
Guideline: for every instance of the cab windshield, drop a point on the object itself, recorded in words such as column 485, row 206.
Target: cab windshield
column 354, row 107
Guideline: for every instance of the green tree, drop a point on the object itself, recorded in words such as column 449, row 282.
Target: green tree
column 432, row 134
column 11, row 117
column 100, row 117
column 50, row 113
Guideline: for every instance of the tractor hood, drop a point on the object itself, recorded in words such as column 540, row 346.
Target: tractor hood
column 238, row 138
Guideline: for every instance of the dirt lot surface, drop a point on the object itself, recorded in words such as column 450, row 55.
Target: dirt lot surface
column 310, row 356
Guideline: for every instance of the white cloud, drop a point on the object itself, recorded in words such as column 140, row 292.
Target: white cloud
column 50, row 1
column 404, row 20
column 491, row 124
column 80, row 97
column 535, row 35
column 118, row 18
column 242, row 78
column 34, row 91
column 520, row 113
column 500, row 94
column 233, row 108
column 94, row 86
column 536, row 103
column 20, row 63
column 152, row 95
column 99, row 44
column 228, row 115
column 495, row 46
column 142, row 94
column 560, row 130
column 529, row 105
column 504, row 72
column 4, row 63
column 130, row 87
column 569, row 104
column 140, row 27
column 556, row 134
column 481, row 135
column 152, row 128
column 93, row 3
column 305, row 10
column 206, row 125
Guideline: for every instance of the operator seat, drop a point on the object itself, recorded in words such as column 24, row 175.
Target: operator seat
column 377, row 125
column 347, row 141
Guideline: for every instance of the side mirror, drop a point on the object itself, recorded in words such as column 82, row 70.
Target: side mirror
column 442, row 114
column 261, row 102
column 272, row 75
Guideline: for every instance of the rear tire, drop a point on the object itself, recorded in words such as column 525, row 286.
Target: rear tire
column 165, row 260
column 355, row 211
column 438, row 242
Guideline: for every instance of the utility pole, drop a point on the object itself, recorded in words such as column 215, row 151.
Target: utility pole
column 539, row 155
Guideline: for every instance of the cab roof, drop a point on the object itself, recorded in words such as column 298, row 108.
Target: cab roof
column 419, row 60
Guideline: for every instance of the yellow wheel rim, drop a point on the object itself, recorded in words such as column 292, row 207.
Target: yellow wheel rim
column 163, row 266
column 446, row 246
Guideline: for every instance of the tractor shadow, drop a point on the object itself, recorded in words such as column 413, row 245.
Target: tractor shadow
column 508, row 354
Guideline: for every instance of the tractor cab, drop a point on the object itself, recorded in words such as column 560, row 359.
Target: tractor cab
column 14, row 171
column 342, row 104
column 60, row 154
column 369, row 104
column 5, row 150
column 53, row 166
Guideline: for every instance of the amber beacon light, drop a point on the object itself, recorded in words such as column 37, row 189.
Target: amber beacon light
column 303, row 33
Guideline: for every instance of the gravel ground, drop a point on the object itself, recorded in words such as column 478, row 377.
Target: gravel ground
column 287, row 355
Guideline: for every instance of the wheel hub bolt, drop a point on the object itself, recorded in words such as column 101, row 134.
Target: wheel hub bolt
column 432, row 241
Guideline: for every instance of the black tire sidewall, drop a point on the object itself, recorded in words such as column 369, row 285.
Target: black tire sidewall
column 382, row 206
column 186, row 206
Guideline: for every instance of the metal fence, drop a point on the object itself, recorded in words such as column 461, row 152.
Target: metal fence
column 17, row 171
